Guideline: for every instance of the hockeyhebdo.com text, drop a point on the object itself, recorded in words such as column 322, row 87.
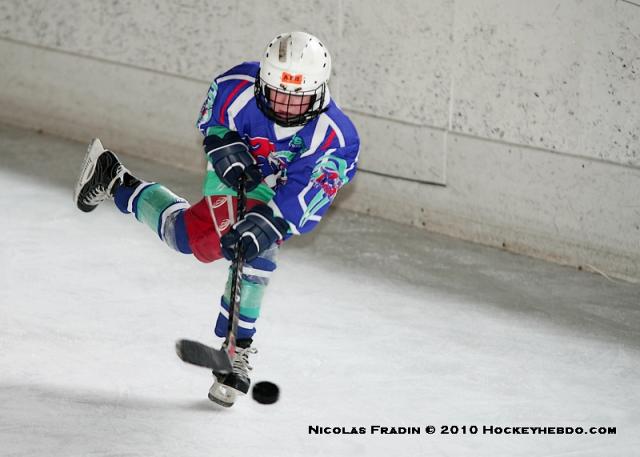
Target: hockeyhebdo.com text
column 459, row 430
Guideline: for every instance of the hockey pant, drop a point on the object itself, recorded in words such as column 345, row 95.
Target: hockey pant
column 196, row 230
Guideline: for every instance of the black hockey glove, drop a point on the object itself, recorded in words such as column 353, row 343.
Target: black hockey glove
column 259, row 229
column 231, row 160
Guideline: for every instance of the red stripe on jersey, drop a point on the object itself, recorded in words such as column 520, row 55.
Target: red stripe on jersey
column 227, row 102
column 328, row 141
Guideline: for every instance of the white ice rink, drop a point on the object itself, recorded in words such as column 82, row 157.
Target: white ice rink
column 365, row 323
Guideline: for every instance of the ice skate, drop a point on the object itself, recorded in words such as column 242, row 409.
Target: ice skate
column 226, row 388
column 101, row 170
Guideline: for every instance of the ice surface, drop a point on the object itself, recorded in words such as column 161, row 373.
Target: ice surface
column 365, row 323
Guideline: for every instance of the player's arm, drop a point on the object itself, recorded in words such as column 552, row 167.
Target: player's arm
column 312, row 185
column 228, row 153
column 297, row 206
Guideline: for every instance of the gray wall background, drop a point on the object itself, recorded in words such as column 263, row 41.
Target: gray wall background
column 511, row 123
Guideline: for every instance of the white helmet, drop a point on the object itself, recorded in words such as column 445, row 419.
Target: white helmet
column 291, row 88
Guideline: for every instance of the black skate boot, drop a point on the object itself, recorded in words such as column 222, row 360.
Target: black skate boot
column 101, row 171
column 226, row 388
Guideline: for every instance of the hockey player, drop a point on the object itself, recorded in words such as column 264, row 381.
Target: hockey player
column 273, row 124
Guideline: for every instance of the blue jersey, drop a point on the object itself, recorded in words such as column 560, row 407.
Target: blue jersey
column 302, row 167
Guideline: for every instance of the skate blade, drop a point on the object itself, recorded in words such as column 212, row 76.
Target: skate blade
column 220, row 402
column 223, row 395
column 88, row 166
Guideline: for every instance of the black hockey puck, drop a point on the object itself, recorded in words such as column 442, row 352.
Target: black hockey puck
column 265, row 392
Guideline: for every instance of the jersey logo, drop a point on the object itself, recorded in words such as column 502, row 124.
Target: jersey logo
column 207, row 107
column 261, row 147
column 271, row 162
column 288, row 78
column 297, row 145
column 329, row 175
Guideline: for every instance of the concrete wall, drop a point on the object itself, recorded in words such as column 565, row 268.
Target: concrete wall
column 511, row 123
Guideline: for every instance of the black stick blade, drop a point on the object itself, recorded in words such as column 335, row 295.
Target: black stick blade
column 203, row 356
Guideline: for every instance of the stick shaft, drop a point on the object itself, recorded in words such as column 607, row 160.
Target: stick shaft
column 236, row 279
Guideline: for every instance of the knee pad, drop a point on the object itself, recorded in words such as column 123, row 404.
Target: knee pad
column 174, row 232
column 155, row 204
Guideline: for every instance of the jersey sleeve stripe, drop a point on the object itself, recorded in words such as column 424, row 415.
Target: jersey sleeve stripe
column 230, row 98
column 328, row 141
column 238, row 76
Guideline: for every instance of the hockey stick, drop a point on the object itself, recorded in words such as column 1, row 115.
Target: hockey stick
column 236, row 280
column 220, row 360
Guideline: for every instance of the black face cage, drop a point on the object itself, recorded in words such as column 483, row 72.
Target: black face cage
column 262, row 91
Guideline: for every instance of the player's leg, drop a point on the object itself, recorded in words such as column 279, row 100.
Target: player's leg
column 255, row 279
column 155, row 206
column 104, row 177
